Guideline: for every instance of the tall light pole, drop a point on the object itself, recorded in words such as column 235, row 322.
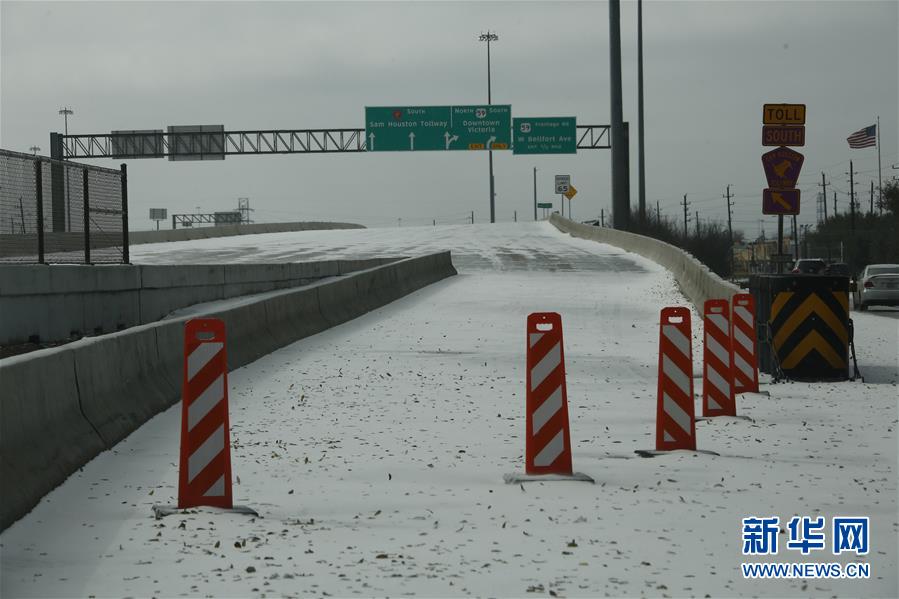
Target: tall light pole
column 35, row 149
column 490, row 37
column 65, row 112
column 621, row 202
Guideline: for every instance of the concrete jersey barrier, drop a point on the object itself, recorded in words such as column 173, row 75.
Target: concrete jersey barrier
column 140, row 237
column 695, row 279
column 57, row 302
column 62, row 406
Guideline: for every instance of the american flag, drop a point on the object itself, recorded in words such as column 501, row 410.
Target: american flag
column 863, row 138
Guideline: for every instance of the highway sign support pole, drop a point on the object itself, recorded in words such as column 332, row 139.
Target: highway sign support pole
column 620, row 183
column 780, row 243
column 535, row 193
column 640, row 154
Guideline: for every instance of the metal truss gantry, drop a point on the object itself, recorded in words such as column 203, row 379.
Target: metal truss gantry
column 228, row 143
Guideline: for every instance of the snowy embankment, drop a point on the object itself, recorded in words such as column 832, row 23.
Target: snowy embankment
column 375, row 451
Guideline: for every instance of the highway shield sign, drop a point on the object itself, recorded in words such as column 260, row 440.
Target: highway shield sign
column 782, row 167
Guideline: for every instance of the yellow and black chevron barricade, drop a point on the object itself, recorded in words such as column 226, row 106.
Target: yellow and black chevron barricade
column 804, row 328
column 809, row 330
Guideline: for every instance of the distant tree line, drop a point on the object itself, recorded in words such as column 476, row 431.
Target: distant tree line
column 709, row 242
column 862, row 239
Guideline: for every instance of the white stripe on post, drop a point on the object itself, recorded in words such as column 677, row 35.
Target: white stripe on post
column 743, row 314
column 206, row 401
column 717, row 349
column 741, row 338
column 718, row 381
column 676, row 375
column 547, row 409
column 200, row 357
column 676, row 413
column 551, row 451
column 217, row 489
column 744, row 367
column 205, row 453
column 546, row 366
column 720, row 322
column 534, row 338
column 673, row 334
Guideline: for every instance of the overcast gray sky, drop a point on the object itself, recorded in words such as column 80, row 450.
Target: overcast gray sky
column 708, row 68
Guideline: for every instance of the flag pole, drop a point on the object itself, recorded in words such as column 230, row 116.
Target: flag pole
column 879, row 174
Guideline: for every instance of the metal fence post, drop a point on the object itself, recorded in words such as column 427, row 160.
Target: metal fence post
column 39, row 194
column 125, row 253
column 87, row 220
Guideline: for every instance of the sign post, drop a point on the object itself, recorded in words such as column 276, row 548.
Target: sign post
column 563, row 182
column 783, row 125
column 159, row 214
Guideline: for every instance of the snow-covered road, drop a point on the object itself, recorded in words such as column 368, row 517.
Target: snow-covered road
column 375, row 451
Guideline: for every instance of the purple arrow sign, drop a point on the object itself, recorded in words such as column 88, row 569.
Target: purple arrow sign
column 782, row 167
column 780, row 201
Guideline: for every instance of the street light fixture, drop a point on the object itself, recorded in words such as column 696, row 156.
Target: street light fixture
column 35, row 149
column 490, row 37
column 65, row 111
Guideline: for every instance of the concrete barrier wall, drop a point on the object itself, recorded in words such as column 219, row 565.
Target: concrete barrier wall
column 62, row 406
column 139, row 237
column 695, row 279
column 61, row 301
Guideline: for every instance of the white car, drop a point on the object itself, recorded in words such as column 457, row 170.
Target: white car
column 878, row 285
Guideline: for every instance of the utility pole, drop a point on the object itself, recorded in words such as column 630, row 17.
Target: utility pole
column 685, row 216
column 834, row 204
column 824, row 185
column 658, row 212
column 490, row 37
column 472, row 217
column 697, row 224
column 871, row 211
column 535, row 193
column 795, row 238
column 602, row 216
column 65, row 112
column 851, row 174
column 640, row 153
column 515, row 216
column 730, row 231
column 621, row 202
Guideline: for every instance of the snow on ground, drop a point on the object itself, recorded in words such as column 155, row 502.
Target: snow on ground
column 375, row 451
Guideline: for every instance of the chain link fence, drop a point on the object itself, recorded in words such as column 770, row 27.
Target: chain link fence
column 54, row 211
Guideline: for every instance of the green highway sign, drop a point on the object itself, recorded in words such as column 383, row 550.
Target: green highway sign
column 545, row 135
column 544, row 205
column 421, row 128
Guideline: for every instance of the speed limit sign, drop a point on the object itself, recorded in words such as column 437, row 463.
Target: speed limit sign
column 563, row 182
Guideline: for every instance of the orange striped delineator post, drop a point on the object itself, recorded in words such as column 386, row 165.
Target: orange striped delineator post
column 205, row 471
column 675, row 414
column 717, row 376
column 744, row 359
column 204, row 477
column 548, row 436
